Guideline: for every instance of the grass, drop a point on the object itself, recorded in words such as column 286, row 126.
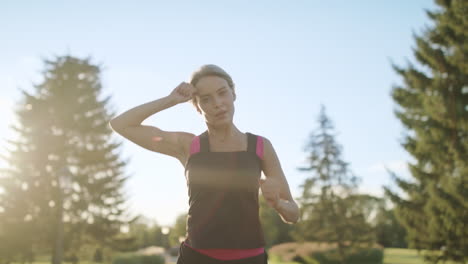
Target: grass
column 272, row 259
column 405, row 256
column 63, row 262
column 391, row 256
column 402, row 256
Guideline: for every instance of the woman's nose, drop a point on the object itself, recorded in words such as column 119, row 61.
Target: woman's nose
column 217, row 102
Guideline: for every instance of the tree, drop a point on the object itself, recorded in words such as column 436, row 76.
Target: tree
column 64, row 179
column 432, row 105
column 331, row 209
column 146, row 233
column 390, row 233
column 178, row 231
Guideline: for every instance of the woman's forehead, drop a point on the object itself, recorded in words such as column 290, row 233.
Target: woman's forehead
column 209, row 84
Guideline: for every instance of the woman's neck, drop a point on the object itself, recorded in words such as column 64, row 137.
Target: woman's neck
column 224, row 133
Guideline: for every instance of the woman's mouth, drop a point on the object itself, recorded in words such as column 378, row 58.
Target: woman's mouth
column 220, row 115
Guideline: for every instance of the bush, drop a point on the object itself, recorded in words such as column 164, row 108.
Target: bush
column 363, row 256
column 368, row 256
column 323, row 253
column 138, row 259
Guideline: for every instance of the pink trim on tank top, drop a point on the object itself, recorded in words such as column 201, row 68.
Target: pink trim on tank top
column 229, row 254
column 195, row 146
column 260, row 147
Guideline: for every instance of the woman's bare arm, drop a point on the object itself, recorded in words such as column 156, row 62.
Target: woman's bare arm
column 175, row 144
column 275, row 188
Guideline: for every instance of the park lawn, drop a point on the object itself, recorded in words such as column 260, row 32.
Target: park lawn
column 391, row 256
column 63, row 262
column 404, row 256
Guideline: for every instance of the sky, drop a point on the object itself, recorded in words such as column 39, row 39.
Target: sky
column 287, row 58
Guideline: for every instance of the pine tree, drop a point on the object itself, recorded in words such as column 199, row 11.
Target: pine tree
column 330, row 207
column 64, row 180
column 433, row 105
column 389, row 232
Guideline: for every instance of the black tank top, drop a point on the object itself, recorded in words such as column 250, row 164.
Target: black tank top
column 223, row 196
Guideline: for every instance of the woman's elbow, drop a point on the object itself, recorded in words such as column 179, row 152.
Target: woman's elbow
column 114, row 125
column 290, row 213
column 294, row 218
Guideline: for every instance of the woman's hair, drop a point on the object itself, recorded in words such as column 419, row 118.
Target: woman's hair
column 209, row 70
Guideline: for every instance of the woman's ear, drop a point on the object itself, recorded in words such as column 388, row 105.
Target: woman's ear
column 234, row 94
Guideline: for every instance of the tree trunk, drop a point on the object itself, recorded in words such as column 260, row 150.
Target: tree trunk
column 341, row 253
column 58, row 248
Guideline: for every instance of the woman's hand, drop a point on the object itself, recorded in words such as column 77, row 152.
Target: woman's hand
column 182, row 93
column 270, row 190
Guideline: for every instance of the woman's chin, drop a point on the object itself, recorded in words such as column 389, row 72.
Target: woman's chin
column 220, row 122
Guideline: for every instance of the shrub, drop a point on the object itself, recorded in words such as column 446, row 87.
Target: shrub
column 362, row 256
column 138, row 259
column 325, row 253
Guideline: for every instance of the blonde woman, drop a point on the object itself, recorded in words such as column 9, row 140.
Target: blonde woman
column 223, row 167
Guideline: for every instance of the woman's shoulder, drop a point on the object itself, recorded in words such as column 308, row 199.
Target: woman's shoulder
column 185, row 140
column 253, row 134
column 257, row 135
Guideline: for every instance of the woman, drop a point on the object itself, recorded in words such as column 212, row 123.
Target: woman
column 222, row 168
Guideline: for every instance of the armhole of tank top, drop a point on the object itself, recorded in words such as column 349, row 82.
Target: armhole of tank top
column 259, row 147
column 195, row 146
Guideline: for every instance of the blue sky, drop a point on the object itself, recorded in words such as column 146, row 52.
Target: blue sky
column 286, row 58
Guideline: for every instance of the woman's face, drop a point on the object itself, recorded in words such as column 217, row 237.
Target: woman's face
column 215, row 100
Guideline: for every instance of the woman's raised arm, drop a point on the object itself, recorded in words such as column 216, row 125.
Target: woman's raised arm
column 175, row 144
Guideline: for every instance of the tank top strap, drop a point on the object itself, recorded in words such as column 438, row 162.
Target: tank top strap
column 201, row 143
column 255, row 145
column 195, row 145
column 251, row 142
column 204, row 142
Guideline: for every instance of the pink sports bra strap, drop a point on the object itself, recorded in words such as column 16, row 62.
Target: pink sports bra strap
column 195, row 146
column 259, row 148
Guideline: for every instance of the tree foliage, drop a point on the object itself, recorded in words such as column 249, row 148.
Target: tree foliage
column 275, row 230
column 332, row 210
column 64, row 171
column 433, row 107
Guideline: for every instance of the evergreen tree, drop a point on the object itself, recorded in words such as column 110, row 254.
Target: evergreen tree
column 389, row 232
column 331, row 209
column 64, row 181
column 433, row 105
